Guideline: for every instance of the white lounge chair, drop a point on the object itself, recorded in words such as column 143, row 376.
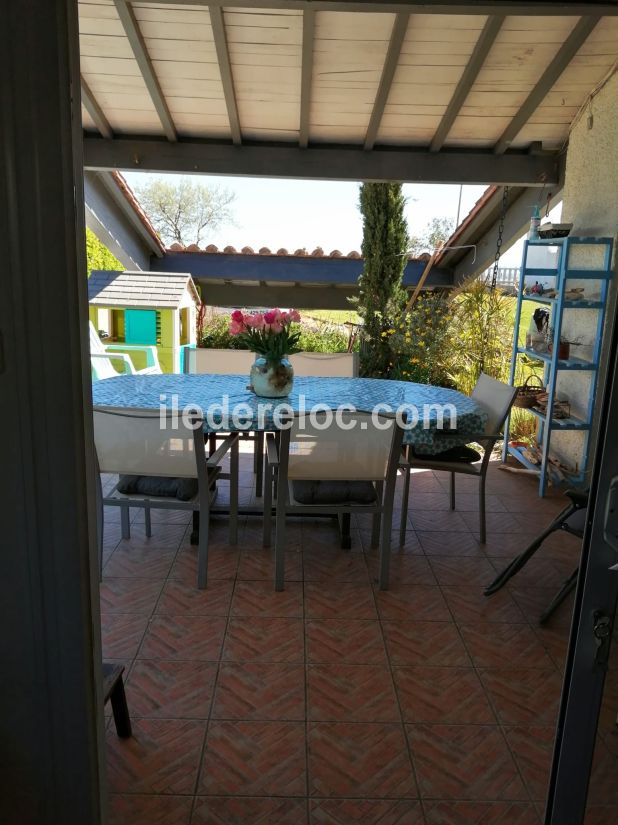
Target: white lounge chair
column 102, row 355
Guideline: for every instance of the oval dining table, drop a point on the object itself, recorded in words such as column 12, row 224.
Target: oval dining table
column 211, row 392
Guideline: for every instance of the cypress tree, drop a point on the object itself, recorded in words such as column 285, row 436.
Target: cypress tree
column 382, row 297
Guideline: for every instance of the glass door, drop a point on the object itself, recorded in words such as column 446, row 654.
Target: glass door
column 584, row 780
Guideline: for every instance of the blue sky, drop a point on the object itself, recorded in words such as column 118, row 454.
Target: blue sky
column 299, row 213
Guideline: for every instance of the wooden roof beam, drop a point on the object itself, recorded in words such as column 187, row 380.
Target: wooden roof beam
column 407, row 164
column 306, row 76
column 138, row 45
column 400, row 26
column 467, row 80
column 520, row 8
column 565, row 54
column 95, row 111
column 225, row 68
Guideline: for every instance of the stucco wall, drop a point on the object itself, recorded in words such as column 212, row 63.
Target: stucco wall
column 591, row 203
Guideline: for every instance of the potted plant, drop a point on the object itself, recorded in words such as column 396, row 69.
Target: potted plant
column 271, row 336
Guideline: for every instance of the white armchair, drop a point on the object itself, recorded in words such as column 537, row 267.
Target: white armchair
column 103, row 355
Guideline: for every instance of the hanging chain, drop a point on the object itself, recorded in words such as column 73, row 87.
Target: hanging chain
column 505, row 200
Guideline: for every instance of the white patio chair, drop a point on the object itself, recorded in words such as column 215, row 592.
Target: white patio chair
column 103, row 355
column 329, row 364
column 219, row 361
column 496, row 399
column 336, row 471
column 133, row 442
column 229, row 362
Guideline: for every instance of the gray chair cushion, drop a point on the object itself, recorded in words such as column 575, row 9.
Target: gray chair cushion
column 184, row 489
column 463, row 455
column 334, row 492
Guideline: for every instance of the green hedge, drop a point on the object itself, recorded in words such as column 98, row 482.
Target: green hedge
column 98, row 255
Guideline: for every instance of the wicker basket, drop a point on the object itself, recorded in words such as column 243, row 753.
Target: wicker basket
column 526, row 395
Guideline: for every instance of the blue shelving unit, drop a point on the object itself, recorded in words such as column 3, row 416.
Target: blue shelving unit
column 561, row 273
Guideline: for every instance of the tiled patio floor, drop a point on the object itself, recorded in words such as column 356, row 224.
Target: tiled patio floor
column 333, row 702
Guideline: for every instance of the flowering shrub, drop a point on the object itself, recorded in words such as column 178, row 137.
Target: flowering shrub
column 267, row 333
column 419, row 341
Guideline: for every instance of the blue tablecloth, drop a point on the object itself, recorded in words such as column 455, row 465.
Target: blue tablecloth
column 209, row 391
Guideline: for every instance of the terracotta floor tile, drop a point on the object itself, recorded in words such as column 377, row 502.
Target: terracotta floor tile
column 499, row 644
column 335, row 567
column 468, row 604
column 410, row 547
column 462, row 570
column 222, row 564
column 358, row 760
column 424, row 643
column 500, row 523
column 166, row 689
column 259, row 598
column 260, row 565
column 339, row 600
column 129, row 595
column 350, row 693
column 198, row 638
column 254, row 759
column 603, row 788
column 154, row 809
column 438, row 521
column 345, row 641
column 507, row 546
column 460, row 543
column 260, row 692
column 140, row 562
column 409, row 601
column 180, row 597
column 541, row 571
column 405, row 569
column 532, row 747
column 365, row 812
column 533, row 601
column 264, row 640
column 601, row 814
column 121, row 634
column 422, row 502
column 481, row 813
column 464, row 762
column 162, row 757
column 452, row 695
column 523, row 695
column 249, row 811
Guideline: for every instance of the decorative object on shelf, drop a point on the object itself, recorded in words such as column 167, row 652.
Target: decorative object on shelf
column 575, row 294
column 549, row 230
column 560, row 259
column 536, row 336
column 527, row 394
column 564, row 348
column 561, row 408
column 535, row 222
column 272, row 337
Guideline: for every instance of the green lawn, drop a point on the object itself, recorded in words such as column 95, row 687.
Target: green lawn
column 331, row 316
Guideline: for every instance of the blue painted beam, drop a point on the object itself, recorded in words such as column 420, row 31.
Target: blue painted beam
column 285, row 269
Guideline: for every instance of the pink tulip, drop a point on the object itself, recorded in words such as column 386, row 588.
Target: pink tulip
column 236, row 328
column 255, row 321
column 270, row 316
column 238, row 316
column 294, row 316
column 276, row 327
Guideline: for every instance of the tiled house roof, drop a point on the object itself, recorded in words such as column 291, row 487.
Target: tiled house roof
column 318, row 252
column 139, row 289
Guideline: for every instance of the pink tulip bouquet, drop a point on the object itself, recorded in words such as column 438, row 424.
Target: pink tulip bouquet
column 267, row 333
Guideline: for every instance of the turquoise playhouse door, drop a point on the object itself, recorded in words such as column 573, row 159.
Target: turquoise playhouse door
column 140, row 326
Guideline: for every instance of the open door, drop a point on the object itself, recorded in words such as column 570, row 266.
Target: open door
column 584, row 781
